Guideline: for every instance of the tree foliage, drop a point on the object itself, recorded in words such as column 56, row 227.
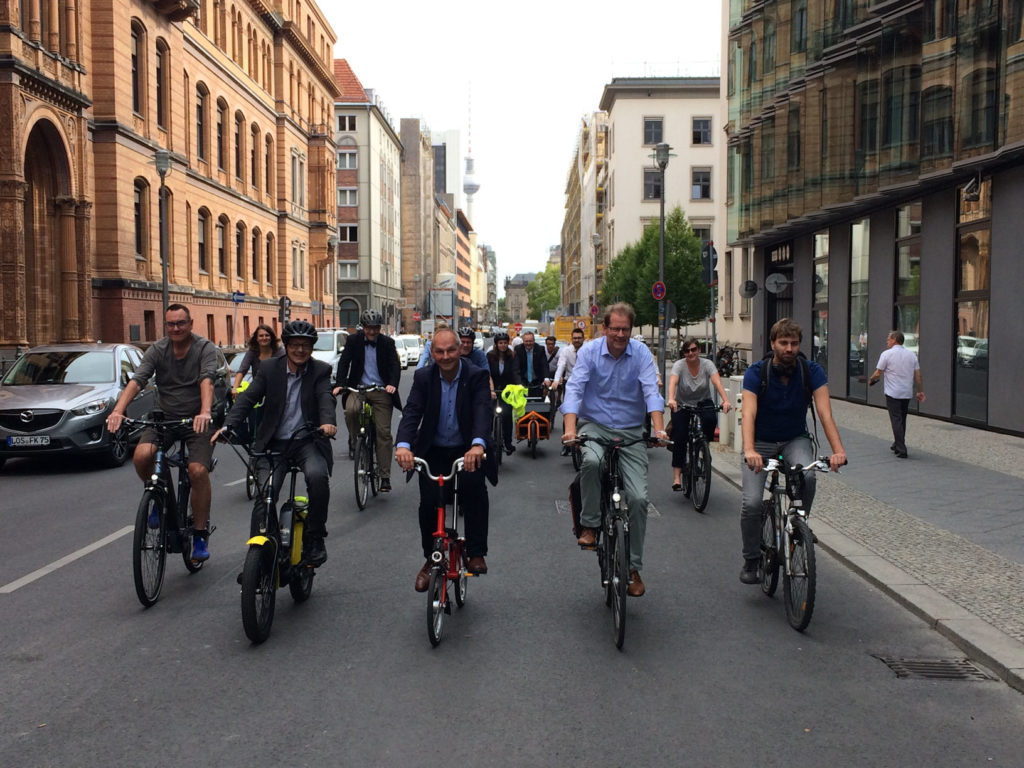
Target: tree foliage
column 544, row 292
column 630, row 276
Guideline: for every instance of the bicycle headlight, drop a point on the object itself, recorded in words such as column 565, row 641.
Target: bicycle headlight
column 96, row 406
column 498, row 409
column 616, row 497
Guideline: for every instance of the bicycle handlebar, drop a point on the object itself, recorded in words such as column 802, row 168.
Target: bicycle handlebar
column 821, row 465
column 367, row 388
column 604, row 443
column 698, row 408
column 163, row 424
column 421, row 465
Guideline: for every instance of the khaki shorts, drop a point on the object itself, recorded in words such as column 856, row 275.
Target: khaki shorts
column 200, row 451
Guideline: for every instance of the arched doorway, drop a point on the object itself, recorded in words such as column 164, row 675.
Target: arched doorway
column 50, row 292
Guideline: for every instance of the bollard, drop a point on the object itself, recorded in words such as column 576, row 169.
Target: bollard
column 737, row 438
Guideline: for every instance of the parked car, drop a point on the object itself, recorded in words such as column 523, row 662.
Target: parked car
column 972, row 352
column 413, row 347
column 329, row 345
column 56, row 398
column 402, row 350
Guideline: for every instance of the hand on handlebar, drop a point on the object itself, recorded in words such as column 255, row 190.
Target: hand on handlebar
column 114, row 421
column 836, row 460
column 404, row 459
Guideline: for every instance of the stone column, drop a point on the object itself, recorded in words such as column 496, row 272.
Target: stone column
column 83, row 251
column 35, row 24
column 68, row 269
column 71, row 29
column 53, row 31
column 13, row 329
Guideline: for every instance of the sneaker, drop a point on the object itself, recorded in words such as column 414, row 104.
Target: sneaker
column 749, row 573
column 154, row 518
column 315, row 552
column 509, row 450
column 385, row 485
column 200, row 551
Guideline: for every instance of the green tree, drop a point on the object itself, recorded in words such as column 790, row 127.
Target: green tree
column 634, row 271
column 502, row 313
column 544, row 292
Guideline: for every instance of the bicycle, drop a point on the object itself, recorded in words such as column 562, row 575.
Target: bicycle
column 250, row 468
column 498, row 431
column 448, row 557
column 612, row 543
column 696, row 475
column 787, row 541
column 366, row 473
column 274, row 557
column 173, row 529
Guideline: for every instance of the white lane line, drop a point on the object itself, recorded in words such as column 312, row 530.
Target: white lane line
column 234, row 482
column 6, row 589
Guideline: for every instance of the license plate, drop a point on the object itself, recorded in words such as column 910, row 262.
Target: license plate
column 27, row 440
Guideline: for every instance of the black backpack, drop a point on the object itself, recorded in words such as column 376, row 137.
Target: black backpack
column 805, row 377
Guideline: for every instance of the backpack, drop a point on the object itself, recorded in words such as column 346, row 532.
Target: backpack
column 805, row 377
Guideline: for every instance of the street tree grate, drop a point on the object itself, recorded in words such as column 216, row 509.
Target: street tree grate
column 935, row 669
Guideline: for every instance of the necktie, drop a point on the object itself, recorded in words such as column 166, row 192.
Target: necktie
column 529, row 365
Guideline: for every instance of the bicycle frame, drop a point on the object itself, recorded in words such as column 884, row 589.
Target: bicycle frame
column 161, row 481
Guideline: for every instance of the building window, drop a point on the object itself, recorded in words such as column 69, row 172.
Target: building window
column 652, row 130
column 269, row 272
column 138, row 67
column 937, row 122
column 348, row 197
column 901, row 92
column 255, row 255
column 652, row 184
column 348, row 233
column 348, row 311
column 725, row 296
column 979, row 118
column 793, row 139
column 268, row 158
column 202, row 223
column 768, row 151
column 348, row 270
column 798, row 27
column 700, row 185
column 769, row 47
column 239, row 148
column 346, row 122
column 860, row 241
column 907, row 313
column 163, row 56
column 819, row 324
column 867, row 133
column 221, row 109
column 702, row 130
column 200, row 123
column 940, row 18
column 347, row 160
column 973, row 272
column 141, row 212
column 752, row 63
column 254, row 155
column 239, row 251
column 222, row 247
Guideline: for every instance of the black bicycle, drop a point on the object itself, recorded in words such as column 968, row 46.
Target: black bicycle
column 163, row 522
column 366, row 472
column 498, row 430
column 612, row 541
column 696, row 474
column 787, row 541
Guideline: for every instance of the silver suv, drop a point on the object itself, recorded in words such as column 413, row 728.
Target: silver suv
column 330, row 342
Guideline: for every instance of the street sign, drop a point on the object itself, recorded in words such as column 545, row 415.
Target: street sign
column 658, row 290
column 238, row 297
column 582, row 325
column 416, row 317
column 594, row 309
column 518, row 327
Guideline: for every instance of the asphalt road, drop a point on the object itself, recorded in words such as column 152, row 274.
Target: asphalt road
column 527, row 674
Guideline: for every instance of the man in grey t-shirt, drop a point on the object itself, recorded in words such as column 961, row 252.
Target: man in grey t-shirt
column 185, row 365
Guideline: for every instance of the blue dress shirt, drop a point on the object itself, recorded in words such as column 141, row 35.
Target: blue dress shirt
column 614, row 392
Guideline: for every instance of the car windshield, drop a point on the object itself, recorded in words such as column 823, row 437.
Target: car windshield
column 325, row 342
column 61, row 368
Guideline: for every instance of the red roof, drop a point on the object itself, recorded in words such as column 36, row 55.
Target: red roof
column 348, row 83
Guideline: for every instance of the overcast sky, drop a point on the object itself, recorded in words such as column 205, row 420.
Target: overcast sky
column 532, row 70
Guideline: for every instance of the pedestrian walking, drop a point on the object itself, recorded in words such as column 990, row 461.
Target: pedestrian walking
column 902, row 373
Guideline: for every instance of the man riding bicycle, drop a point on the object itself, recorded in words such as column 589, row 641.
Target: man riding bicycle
column 185, row 365
column 563, row 369
column 776, row 395
column 370, row 358
column 295, row 390
column 614, row 385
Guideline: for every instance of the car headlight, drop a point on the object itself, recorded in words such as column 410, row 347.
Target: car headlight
column 96, row 406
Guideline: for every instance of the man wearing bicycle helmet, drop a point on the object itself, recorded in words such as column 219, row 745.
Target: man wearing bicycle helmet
column 185, row 366
column 295, row 390
column 371, row 358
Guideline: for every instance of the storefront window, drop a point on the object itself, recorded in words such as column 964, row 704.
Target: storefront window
column 860, row 236
column 819, row 326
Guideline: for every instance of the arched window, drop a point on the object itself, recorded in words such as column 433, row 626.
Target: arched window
column 254, row 155
column 269, row 165
column 201, row 107
column 239, row 145
column 141, row 218
column 270, row 260
column 348, row 313
column 222, row 109
column 138, row 50
column 163, row 89
column 202, row 227
column 240, row 251
column 221, row 236
column 256, row 255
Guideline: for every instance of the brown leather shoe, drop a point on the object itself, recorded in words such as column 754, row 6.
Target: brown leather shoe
column 588, row 538
column 636, row 586
column 476, row 565
column 423, row 578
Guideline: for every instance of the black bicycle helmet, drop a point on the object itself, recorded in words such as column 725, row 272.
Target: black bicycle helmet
column 500, row 336
column 465, row 332
column 370, row 317
column 299, row 329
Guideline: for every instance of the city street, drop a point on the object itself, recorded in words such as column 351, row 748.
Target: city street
column 526, row 675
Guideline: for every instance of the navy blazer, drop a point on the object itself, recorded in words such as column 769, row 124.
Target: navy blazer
column 540, row 364
column 353, row 360
column 271, row 386
column 473, row 410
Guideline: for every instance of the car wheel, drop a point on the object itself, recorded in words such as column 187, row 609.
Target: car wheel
column 117, row 449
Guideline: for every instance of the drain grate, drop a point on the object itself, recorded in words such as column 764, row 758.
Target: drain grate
column 935, row 669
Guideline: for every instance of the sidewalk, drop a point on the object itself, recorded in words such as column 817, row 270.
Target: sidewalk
column 941, row 532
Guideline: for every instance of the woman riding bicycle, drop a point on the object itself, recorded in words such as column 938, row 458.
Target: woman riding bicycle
column 501, row 361
column 263, row 345
column 690, row 384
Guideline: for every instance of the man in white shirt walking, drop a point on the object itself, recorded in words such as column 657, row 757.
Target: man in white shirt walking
column 902, row 372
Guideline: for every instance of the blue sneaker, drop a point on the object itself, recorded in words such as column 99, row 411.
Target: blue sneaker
column 199, row 549
column 154, row 517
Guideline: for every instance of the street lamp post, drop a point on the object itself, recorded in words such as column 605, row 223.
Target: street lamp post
column 661, row 156
column 163, row 167
column 332, row 248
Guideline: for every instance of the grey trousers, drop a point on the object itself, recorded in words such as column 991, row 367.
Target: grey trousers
column 382, row 410
column 633, row 469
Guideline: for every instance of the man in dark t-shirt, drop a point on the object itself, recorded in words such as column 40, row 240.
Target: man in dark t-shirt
column 774, row 423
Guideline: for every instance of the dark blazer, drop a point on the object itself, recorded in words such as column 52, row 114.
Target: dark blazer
column 511, row 374
column 317, row 402
column 540, row 364
column 353, row 358
column 472, row 407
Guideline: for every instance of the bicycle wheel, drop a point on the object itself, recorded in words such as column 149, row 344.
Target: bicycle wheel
column 462, row 581
column 301, row 583
column 769, row 554
column 362, row 472
column 700, row 471
column 619, row 581
column 374, row 474
column 259, row 592
column 435, row 604
column 250, row 480
column 148, row 553
column 798, row 581
column 687, row 474
column 499, row 438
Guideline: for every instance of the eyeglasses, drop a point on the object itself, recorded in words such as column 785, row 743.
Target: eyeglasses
column 177, row 323
column 618, row 331
column 299, row 346
column 688, row 350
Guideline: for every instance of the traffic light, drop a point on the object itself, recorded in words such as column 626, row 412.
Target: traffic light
column 284, row 312
column 708, row 263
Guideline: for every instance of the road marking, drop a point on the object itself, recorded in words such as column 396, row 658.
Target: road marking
column 6, row 589
column 234, row 482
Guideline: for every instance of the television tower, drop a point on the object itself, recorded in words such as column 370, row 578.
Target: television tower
column 470, row 186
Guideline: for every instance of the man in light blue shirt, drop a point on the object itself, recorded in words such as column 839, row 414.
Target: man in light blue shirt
column 614, row 385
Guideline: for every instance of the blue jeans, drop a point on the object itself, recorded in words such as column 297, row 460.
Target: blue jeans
column 799, row 450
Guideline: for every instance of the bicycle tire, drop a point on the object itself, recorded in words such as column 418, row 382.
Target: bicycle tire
column 250, row 480
column 700, row 469
column 301, row 582
column 619, row 582
column 362, row 473
column 435, row 604
column 799, row 580
column 499, row 437
column 462, row 580
column 371, row 443
column 259, row 592
column 687, row 474
column 769, row 554
column 149, row 556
